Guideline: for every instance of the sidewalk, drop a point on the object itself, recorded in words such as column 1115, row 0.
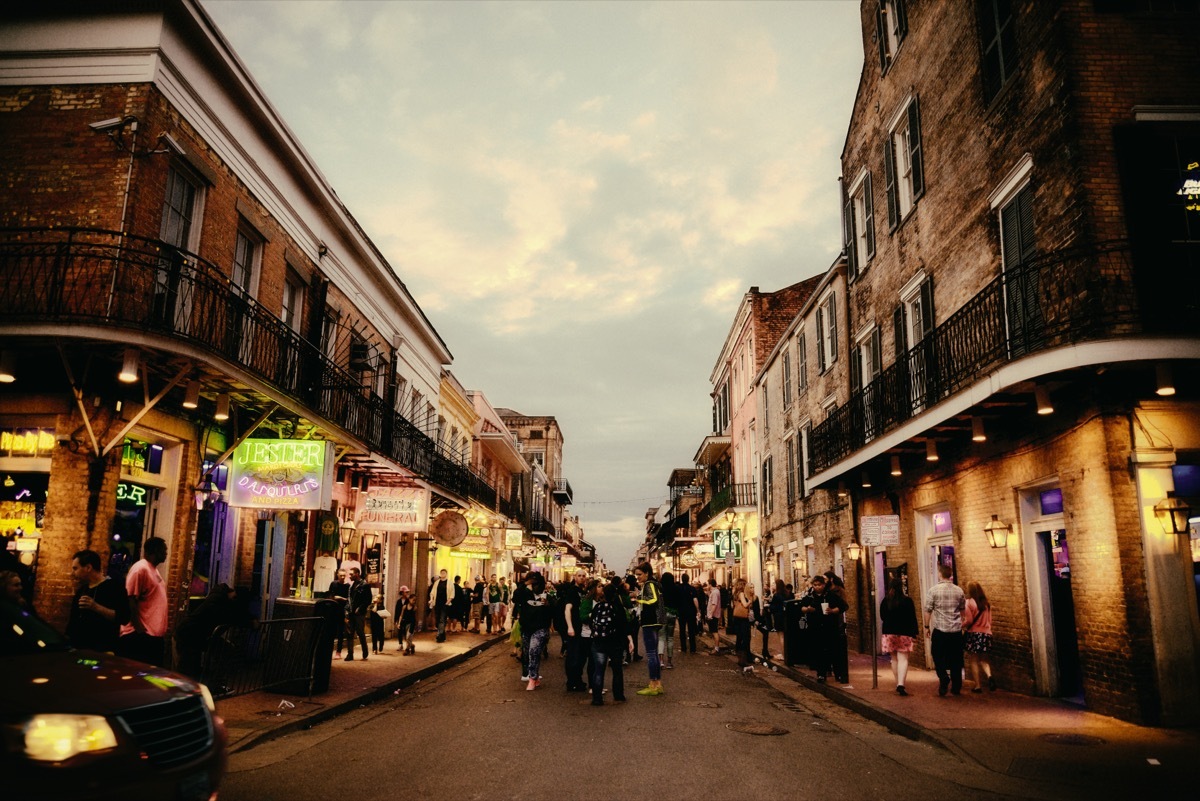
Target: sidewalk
column 1044, row 742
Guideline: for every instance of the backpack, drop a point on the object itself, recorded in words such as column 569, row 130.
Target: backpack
column 604, row 624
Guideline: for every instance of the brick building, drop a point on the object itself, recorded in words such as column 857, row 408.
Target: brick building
column 180, row 281
column 1022, row 236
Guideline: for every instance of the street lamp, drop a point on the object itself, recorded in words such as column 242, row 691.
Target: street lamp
column 347, row 533
column 997, row 532
column 854, row 550
column 1173, row 514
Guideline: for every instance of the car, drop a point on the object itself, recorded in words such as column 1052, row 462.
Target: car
column 87, row 725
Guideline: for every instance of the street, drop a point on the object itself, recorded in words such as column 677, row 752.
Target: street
column 474, row 732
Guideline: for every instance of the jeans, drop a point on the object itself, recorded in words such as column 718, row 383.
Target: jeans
column 440, row 614
column 532, row 643
column 600, row 658
column 573, row 663
column 741, row 638
column 650, row 640
column 947, row 649
column 358, row 628
column 687, row 631
column 667, row 640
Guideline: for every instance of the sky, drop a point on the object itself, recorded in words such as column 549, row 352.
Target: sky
column 578, row 194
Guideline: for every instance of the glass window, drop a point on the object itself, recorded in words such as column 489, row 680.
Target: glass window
column 999, row 44
column 293, row 301
column 903, row 166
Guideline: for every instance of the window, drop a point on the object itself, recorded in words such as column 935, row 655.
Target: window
column 721, row 408
column 891, row 28
column 827, row 347
column 902, row 164
column 538, row 458
column 790, row 448
column 535, row 434
column 999, row 45
column 913, row 326
column 805, row 438
column 801, row 363
column 787, row 378
column 766, row 402
column 329, row 329
column 293, row 300
column 181, row 207
column 247, row 254
column 767, row 479
column 859, row 225
column 1022, row 292
column 401, row 393
column 864, row 368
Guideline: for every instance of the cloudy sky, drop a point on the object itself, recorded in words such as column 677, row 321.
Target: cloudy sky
column 577, row 193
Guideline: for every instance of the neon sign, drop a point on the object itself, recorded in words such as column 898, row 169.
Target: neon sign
column 280, row 474
column 1191, row 188
column 131, row 493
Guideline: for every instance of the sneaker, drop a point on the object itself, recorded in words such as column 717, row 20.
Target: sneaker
column 532, row 685
column 649, row 691
column 524, row 677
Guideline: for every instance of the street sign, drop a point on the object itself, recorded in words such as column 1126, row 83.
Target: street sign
column 879, row 530
column 728, row 543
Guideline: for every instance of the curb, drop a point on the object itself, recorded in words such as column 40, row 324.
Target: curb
column 362, row 699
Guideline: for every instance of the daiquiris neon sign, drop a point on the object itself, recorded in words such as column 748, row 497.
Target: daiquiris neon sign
column 280, row 474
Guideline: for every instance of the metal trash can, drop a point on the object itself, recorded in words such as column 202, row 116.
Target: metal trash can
column 331, row 614
column 795, row 634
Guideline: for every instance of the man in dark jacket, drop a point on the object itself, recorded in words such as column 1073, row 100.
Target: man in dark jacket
column 100, row 606
column 356, row 609
column 823, row 610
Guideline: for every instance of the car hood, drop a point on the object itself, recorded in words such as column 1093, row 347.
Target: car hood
column 84, row 682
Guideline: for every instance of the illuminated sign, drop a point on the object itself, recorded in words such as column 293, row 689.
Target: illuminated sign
column 26, row 441
column 131, row 494
column 393, row 509
column 513, row 537
column 281, row 474
column 1190, row 191
column 728, row 542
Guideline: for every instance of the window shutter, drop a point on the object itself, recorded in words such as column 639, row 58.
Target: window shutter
column 848, row 232
column 901, row 332
column 869, row 216
column 901, row 19
column 820, row 339
column 927, row 308
column 876, row 347
column 914, row 149
column 881, row 36
column 856, row 371
column 1024, row 205
column 889, row 179
column 833, row 343
column 802, row 364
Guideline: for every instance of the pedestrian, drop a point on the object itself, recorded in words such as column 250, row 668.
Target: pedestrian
column 712, row 612
column 339, row 593
column 495, row 622
column 741, row 602
column 666, row 644
column 535, row 612
column 944, row 606
column 142, row 638
column 441, row 596
column 839, row 657
column 977, row 635
column 505, row 603
column 898, row 619
column 476, row 604
column 406, row 620
column 651, row 616
column 632, row 614
column 375, row 613
column 460, row 607
column 357, row 608
column 223, row 606
column 689, row 613
column 570, row 601
column 590, row 594
column 100, row 606
column 11, row 587
column 823, row 610
column 611, row 640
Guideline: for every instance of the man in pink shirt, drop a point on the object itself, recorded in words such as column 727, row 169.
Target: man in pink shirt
column 143, row 637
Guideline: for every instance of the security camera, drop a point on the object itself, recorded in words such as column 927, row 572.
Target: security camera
column 106, row 125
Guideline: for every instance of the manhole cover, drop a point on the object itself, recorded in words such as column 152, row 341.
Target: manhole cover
column 1072, row 739
column 761, row 729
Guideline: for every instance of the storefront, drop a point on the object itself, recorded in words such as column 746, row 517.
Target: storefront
column 24, row 480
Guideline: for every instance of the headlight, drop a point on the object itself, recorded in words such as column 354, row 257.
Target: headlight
column 53, row 738
column 208, row 699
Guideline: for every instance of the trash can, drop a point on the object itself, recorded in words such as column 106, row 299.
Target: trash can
column 331, row 615
column 297, row 648
column 795, row 634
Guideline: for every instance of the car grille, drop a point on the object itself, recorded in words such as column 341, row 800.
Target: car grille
column 171, row 733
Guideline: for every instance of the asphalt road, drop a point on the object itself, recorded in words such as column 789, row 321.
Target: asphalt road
column 474, row 732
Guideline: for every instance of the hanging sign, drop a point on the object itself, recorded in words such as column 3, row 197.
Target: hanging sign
column 728, row 544
column 393, row 509
column 281, row 474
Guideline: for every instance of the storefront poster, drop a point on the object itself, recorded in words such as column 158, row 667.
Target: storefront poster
column 281, row 474
column 394, row 509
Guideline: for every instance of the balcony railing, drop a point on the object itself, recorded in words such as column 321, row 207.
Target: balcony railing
column 82, row 276
column 726, row 498
column 562, row 491
column 1065, row 297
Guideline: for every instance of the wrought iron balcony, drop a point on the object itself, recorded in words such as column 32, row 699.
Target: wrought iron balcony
column 1065, row 297
column 74, row 276
column 562, row 491
column 732, row 495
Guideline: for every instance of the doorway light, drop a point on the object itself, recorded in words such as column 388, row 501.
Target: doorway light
column 129, row 367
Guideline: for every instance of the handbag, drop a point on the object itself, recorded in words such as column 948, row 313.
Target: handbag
column 382, row 612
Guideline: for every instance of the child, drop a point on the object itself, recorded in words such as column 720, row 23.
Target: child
column 376, row 624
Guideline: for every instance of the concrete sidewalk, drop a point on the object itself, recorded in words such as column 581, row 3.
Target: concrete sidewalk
column 1039, row 741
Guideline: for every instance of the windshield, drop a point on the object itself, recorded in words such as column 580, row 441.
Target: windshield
column 22, row 632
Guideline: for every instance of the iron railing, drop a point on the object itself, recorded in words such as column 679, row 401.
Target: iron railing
column 726, row 498
column 563, row 491
column 1069, row 296
column 78, row 275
